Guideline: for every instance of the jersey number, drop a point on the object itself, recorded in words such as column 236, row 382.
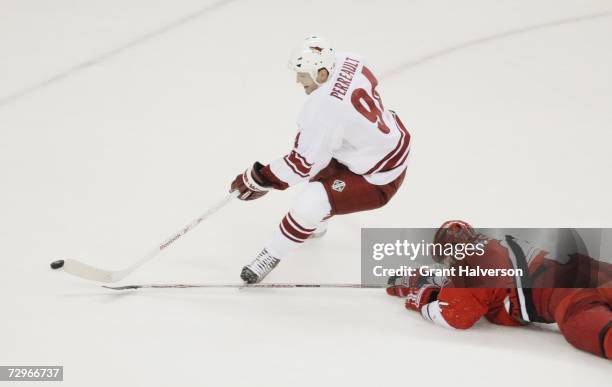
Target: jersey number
column 371, row 108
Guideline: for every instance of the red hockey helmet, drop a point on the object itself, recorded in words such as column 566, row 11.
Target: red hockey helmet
column 454, row 231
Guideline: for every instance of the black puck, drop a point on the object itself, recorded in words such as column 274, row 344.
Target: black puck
column 57, row 264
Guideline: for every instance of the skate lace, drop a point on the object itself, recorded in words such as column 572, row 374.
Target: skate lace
column 264, row 263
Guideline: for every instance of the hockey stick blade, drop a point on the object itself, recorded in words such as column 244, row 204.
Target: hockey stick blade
column 240, row 286
column 83, row 270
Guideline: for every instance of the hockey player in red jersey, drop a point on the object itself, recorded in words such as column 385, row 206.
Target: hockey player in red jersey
column 349, row 149
column 575, row 292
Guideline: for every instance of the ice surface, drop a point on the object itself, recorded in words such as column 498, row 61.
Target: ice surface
column 508, row 103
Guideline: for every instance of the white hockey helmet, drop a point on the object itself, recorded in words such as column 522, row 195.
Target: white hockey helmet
column 313, row 55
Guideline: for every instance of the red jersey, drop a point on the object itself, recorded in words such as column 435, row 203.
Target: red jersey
column 512, row 300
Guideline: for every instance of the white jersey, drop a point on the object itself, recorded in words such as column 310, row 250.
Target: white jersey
column 345, row 119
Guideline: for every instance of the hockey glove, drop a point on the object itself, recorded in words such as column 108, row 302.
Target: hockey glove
column 417, row 297
column 250, row 184
column 400, row 286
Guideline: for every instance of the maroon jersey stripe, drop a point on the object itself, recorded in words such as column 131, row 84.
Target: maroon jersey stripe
column 393, row 156
column 293, row 167
column 403, row 153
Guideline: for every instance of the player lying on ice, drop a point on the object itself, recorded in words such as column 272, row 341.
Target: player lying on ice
column 574, row 291
column 350, row 150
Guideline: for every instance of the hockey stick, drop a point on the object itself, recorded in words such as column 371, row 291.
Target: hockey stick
column 240, row 286
column 83, row 270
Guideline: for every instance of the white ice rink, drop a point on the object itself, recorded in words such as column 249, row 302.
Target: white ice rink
column 121, row 120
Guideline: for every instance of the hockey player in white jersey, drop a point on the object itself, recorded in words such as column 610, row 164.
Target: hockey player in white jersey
column 350, row 150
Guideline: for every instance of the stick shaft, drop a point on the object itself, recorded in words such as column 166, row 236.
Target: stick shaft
column 153, row 253
column 240, row 286
column 82, row 270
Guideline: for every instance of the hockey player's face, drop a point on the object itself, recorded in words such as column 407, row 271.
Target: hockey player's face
column 306, row 81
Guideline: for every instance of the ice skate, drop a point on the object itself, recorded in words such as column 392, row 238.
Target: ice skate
column 261, row 266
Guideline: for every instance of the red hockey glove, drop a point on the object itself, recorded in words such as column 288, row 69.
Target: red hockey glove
column 400, row 286
column 417, row 297
column 250, row 184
